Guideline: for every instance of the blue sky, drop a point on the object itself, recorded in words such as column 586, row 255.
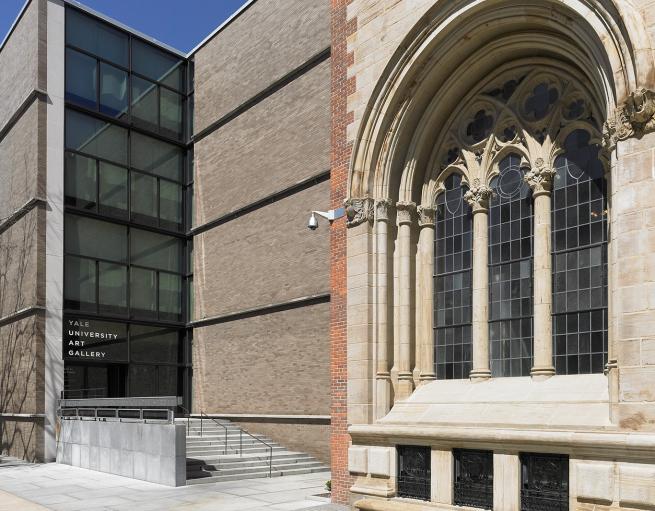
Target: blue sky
column 178, row 23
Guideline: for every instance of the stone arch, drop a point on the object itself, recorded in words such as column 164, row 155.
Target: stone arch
column 456, row 45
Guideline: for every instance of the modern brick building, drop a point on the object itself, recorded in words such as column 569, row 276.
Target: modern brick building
column 153, row 215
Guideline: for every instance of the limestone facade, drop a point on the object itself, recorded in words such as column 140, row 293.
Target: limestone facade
column 434, row 76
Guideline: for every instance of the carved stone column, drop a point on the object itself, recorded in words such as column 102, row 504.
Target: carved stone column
column 424, row 294
column 478, row 198
column 405, row 216
column 540, row 179
column 382, row 375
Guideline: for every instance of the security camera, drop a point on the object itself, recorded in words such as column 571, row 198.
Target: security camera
column 313, row 222
column 331, row 216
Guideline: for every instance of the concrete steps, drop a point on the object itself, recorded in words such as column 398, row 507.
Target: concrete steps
column 208, row 460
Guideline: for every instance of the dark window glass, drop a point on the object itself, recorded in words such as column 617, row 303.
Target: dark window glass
column 171, row 108
column 113, row 91
column 510, row 271
column 157, row 65
column 155, row 250
column 143, row 292
column 452, row 282
column 112, row 288
column 152, row 345
column 95, row 239
column 81, row 79
column 170, row 204
column 414, row 472
column 95, row 137
column 96, row 37
column 152, row 380
column 544, row 482
column 112, row 188
column 474, row 478
column 145, row 110
column 144, row 198
column 170, row 296
column 80, row 284
column 579, row 241
column 80, row 181
column 157, row 157
column 143, row 380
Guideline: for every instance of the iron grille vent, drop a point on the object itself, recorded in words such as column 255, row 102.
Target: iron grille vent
column 544, row 482
column 474, row 478
column 414, row 472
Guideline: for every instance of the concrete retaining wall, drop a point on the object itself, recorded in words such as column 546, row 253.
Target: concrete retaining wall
column 151, row 452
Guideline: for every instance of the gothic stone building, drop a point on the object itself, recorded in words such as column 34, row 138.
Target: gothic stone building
column 497, row 275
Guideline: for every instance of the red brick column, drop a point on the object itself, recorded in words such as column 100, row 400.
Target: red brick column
column 340, row 155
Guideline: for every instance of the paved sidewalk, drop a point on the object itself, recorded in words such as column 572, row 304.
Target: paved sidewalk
column 64, row 488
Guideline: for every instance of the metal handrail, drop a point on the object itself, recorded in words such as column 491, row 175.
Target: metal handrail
column 241, row 432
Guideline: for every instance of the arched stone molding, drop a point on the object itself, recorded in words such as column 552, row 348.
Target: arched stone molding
column 606, row 42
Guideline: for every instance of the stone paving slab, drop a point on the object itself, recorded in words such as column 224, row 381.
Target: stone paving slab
column 42, row 487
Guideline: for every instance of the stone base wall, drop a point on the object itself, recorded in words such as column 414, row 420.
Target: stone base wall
column 151, row 452
column 22, row 438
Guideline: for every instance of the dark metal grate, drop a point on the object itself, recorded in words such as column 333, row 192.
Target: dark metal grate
column 544, row 482
column 414, row 472
column 474, row 478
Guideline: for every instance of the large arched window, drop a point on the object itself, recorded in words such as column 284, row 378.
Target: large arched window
column 452, row 281
column 579, row 241
column 510, row 271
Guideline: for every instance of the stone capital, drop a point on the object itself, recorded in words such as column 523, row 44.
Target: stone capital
column 382, row 209
column 405, row 212
column 478, row 197
column 633, row 118
column 426, row 216
column 359, row 211
column 540, row 178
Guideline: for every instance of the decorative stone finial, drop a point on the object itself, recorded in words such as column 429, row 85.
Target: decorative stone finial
column 478, row 196
column 540, row 178
column 425, row 215
column 382, row 208
column 633, row 118
column 359, row 211
column 405, row 212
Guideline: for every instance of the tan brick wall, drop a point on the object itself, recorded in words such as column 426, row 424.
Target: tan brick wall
column 19, row 63
column 280, row 141
column 18, row 163
column 267, row 256
column 313, row 439
column 22, row 438
column 268, row 364
column 263, row 44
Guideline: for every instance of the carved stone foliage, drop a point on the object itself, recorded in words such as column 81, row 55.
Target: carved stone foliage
column 540, row 178
column 383, row 208
column 634, row 118
column 359, row 211
column 405, row 212
column 478, row 196
column 425, row 215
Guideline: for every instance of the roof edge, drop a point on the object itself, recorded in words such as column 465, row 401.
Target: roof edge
column 222, row 26
column 15, row 24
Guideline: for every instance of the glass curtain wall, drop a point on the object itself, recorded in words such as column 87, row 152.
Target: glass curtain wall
column 127, row 184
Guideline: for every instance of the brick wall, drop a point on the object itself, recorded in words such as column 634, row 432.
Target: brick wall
column 341, row 151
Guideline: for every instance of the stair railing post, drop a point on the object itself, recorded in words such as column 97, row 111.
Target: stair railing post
column 241, row 442
column 201, row 419
column 225, row 447
column 270, row 462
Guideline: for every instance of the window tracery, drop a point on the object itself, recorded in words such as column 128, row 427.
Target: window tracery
column 531, row 131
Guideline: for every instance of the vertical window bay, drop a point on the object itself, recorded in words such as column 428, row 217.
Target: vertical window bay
column 452, row 287
column 510, row 271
